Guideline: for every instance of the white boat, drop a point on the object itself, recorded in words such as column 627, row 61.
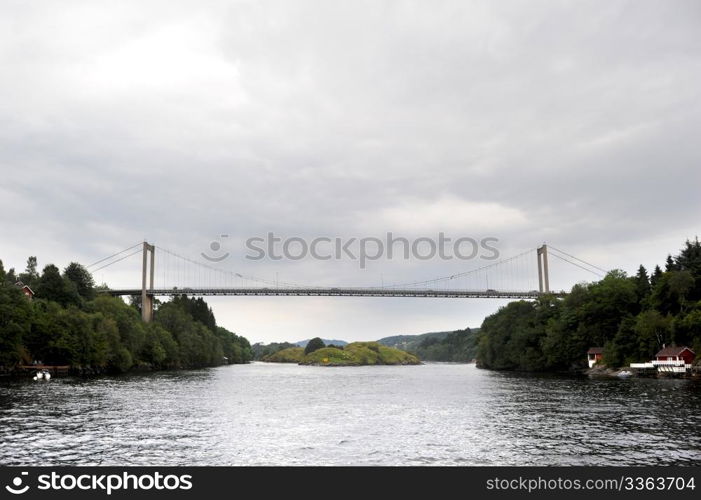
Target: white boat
column 624, row 374
column 42, row 375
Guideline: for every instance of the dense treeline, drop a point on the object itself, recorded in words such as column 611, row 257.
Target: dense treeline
column 261, row 350
column 631, row 317
column 457, row 346
column 68, row 323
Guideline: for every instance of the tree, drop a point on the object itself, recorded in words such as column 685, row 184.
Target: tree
column 130, row 328
column 687, row 330
column 15, row 320
column 314, row 345
column 689, row 259
column 653, row 331
column 508, row 339
column 82, row 279
column 30, row 276
column 642, row 283
column 198, row 309
column 623, row 348
column 52, row 286
column 671, row 291
column 656, row 276
column 11, row 277
column 670, row 265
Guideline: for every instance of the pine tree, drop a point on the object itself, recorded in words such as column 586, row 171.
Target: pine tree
column 642, row 283
column 656, row 275
column 670, row 265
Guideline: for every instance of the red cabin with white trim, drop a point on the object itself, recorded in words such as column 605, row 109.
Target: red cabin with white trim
column 674, row 359
column 594, row 355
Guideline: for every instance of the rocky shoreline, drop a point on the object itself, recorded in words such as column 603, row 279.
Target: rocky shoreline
column 606, row 372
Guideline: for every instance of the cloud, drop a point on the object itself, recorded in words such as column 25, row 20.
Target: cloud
column 568, row 122
column 449, row 213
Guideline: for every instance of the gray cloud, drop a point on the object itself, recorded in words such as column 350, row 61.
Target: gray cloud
column 178, row 121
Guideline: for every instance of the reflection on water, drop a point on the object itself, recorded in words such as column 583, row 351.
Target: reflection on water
column 266, row 414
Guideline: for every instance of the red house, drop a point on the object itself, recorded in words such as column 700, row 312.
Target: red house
column 674, row 359
column 594, row 355
column 28, row 292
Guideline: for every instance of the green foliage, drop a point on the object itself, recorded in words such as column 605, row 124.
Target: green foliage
column 656, row 275
column 30, row 276
column 457, row 346
column 68, row 324
column 632, row 318
column 313, row 345
column 261, row 351
column 329, row 356
column 236, row 349
column 642, row 284
column 354, row 354
column 198, row 309
column 15, row 321
column 289, row 355
column 54, row 287
column 82, row 279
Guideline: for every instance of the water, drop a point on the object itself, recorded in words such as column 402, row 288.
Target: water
column 269, row 414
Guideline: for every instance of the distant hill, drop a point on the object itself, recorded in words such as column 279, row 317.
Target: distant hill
column 262, row 350
column 410, row 342
column 355, row 354
column 303, row 343
column 457, row 346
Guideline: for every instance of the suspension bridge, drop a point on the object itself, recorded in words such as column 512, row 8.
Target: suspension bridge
column 510, row 278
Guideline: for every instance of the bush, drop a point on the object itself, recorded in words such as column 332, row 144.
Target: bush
column 313, row 345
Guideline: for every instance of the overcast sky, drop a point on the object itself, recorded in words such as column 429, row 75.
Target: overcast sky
column 575, row 123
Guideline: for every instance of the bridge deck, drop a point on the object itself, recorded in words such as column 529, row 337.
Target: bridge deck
column 337, row 292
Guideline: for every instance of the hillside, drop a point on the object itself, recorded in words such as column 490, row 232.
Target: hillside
column 303, row 343
column 260, row 350
column 354, row 354
column 289, row 355
column 410, row 342
column 457, row 346
column 631, row 317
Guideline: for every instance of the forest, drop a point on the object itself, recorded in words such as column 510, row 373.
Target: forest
column 458, row 346
column 68, row 322
column 631, row 317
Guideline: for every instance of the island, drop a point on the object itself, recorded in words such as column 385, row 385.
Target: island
column 353, row 354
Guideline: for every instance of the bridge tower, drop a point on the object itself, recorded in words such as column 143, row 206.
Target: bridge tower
column 147, row 268
column 543, row 279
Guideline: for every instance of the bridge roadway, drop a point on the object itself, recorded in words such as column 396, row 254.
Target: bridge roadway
column 337, row 292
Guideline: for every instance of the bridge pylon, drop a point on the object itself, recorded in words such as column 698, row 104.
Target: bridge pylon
column 543, row 278
column 147, row 269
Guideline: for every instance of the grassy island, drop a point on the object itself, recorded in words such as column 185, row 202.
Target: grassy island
column 289, row 355
column 355, row 354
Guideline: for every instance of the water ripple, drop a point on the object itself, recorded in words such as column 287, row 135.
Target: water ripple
column 434, row 414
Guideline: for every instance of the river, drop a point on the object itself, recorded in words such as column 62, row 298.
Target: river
column 273, row 414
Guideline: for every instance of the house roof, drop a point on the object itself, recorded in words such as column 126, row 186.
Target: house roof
column 22, row 286
column 595, row 350
column 673, row 351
